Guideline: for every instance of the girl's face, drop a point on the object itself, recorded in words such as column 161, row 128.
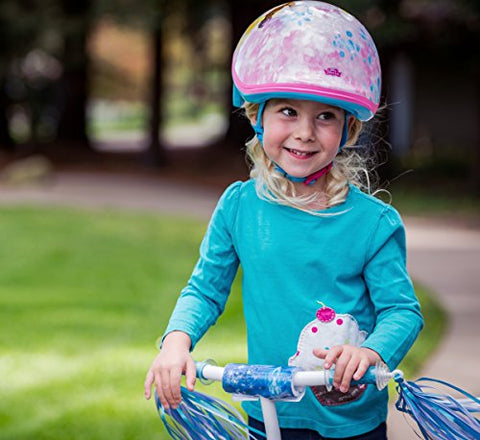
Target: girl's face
column 301, row 136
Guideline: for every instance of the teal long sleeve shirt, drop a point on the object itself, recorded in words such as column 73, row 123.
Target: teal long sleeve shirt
column 352, row 259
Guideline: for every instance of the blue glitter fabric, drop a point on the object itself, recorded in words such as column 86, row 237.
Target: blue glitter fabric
column 271, row 382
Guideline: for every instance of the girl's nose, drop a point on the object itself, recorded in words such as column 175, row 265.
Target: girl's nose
column 304, row 130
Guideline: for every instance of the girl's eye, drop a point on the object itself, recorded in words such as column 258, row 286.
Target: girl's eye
column 288, row 111
column 327, row 116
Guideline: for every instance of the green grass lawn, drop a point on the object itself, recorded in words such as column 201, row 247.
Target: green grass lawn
column 83, row 296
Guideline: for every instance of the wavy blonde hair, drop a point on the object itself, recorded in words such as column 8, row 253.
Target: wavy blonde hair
column 350, row 167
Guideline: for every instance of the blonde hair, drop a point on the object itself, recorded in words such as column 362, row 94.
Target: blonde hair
column 350, row 167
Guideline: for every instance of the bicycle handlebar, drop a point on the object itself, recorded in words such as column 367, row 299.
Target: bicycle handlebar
column 281, row 383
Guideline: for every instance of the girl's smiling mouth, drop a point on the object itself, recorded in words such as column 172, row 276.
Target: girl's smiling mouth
column 300, row 154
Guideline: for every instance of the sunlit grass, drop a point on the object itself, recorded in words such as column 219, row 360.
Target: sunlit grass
column 83, row 296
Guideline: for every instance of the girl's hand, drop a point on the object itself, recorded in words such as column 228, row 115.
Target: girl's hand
column 350, row 363
column 167, row 368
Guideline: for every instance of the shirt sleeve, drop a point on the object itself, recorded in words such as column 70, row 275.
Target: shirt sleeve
column 396, row 307
column 203, row 300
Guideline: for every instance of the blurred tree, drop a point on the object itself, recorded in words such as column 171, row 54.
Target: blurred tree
column 155, row 153
column 19, row 33
column 151, row 15
column 6, row 31
column 72, row 124
column 27, row 25
column 444, row 34
column 421, row 27
column 204, row 59
column 30, row 72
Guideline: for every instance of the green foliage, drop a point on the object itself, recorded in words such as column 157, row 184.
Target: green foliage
column 21, row 27
column 435, row 325
column 431, row 193
column 83, row 295
column 436, row 322
column 455, row 203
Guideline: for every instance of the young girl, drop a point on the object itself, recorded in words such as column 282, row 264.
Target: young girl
column 324, row 281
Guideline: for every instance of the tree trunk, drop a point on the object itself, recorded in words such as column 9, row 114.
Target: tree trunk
column 475, row 163
column 72, row 127
column 155, row 153
column 6, row 141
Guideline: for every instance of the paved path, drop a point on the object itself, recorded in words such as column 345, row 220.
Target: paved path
column 446, row 259
column 110, row 190
column 443, row 257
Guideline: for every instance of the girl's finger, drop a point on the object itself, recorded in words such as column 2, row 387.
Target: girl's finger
column 190, row 374
column 149, row 379
column 160, row 393
column 164, row 388
column 175, row 379
column 332, row 356
column 350, row 369
column 340, row 366
column 361, row 370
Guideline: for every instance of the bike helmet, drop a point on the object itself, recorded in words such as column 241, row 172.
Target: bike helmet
column 308, row 50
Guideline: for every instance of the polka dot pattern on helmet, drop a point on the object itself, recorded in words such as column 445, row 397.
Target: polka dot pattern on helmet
column 309, row 50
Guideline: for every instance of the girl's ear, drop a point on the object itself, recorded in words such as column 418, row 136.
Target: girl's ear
column 350, row 121
column 350, row 125
column 251, row 112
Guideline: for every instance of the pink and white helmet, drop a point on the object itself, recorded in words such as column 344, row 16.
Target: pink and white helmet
column 308, row 50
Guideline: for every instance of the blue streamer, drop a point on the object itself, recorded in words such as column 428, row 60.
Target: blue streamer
column 202, row 417
column 438, row 415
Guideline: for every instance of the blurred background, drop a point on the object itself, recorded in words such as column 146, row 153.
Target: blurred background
column 113, row 104
column 102, row 81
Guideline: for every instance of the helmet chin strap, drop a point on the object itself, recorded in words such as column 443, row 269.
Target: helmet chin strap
column 258, row 127
column 308, row 180
column 311, row 178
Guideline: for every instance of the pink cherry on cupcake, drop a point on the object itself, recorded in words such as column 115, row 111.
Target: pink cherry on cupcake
column 325, row 314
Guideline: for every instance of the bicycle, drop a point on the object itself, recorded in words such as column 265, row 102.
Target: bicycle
column 200, row 416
